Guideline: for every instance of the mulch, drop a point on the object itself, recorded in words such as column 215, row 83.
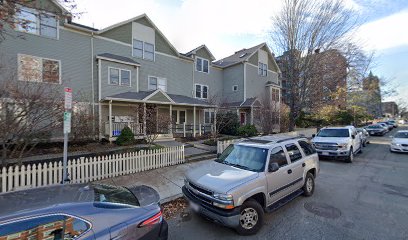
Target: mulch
column 173, row 208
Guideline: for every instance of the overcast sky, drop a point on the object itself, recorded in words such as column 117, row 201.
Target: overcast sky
column 226, row 26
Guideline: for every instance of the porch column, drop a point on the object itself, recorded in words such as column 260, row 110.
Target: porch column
column 252, row 115
column 199, row 122
column 144, row 119
column 110, row 120
column 171, row 118
column 137, row 120
column 194, row 121
column 215, row 122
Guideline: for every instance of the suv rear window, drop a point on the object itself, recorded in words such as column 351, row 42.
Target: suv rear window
column 307, row 148
column 294, row 152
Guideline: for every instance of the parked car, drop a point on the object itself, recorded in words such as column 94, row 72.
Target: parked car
column 364, row 135
column 338, row 142
column 385, row 126
column 388, row 125
column 252, row 177
column 399, row 142
column 393, row 123
column 401, row 121
column 82, row 211
column 376, row 129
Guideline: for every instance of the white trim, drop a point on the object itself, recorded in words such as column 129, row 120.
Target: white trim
column 201, row 88
column 42, row 58
column 155, row 92
column 178, row 114
column 113, row 40
column 261, row 66
column 162, row 103
column 120, row 77
column 100, row 79
column 210, row 112
column 137, row 79
column 74, row 29
column 202, row 65
column 117, row 61
column 157, row 84
column 136, row 18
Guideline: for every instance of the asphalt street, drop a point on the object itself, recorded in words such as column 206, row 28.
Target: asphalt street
column 367, row 199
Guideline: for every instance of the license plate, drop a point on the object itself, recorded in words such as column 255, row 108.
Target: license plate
column 372, row 132
column 325, row 153
column 195, row 207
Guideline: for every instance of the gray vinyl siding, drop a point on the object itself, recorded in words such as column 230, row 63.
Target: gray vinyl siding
column 107, row 89
column 162, row 46
column 122, row 33
column 72, row 49
column 254, row 59
column 203, row 54
column 233, row 75
column 213, row 80
column 256, row 84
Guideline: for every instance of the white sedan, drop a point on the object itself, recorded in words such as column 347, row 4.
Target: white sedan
column 399, row 142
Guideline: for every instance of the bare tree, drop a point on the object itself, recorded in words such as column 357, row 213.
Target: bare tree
column 156, row 123
column 302, row 28
column 221, row 108
column 10, row 10
column 84, row 123
column 30, row 113
column 267, row 115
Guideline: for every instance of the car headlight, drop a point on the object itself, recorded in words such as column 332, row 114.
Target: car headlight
column 224, row 197
column 343, row 145
column 395, row 144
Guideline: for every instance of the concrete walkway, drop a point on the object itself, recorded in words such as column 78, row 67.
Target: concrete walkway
column 166, row 181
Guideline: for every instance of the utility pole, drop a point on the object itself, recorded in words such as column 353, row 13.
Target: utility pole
column 67, row 130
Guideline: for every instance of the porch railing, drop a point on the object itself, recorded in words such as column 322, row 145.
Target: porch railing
column 188, row 128
column 137, row 128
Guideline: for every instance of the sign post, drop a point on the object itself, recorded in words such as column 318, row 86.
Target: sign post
column 67, row 130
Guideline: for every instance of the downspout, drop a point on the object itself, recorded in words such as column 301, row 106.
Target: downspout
column 193, row 91
column 99, row 97
column 244, row 80
column 92, row 84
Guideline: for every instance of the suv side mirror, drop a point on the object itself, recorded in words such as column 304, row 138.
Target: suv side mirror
column 273, row 167
column 313, row 135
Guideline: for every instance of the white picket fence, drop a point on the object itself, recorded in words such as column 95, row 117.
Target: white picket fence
column 89, row 169
column 306, row 132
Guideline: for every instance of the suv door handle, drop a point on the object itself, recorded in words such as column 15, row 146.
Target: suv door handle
column 303, row 164
column 289, row 171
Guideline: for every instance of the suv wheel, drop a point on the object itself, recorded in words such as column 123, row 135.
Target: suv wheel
column 350, row 157
column 251, row 218
column 308, row 187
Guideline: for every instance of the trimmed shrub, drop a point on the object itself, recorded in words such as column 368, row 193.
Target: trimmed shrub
column 126, row 137
column 247, row 131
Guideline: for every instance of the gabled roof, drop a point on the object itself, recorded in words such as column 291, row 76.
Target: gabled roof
column 136, row 18
column 239, row 56
column 83, row 26
column 117, row 58
column 194, row 51
column 250, row 102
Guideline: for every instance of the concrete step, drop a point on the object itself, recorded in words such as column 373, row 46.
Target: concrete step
column 201, row 157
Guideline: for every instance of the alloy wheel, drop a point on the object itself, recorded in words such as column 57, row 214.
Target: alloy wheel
column 248, row 218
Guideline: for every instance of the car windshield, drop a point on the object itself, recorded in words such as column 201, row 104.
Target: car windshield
column 401, row 135
column 244, row 157
column 112, row 194
column 333, row 133
column 374, row 126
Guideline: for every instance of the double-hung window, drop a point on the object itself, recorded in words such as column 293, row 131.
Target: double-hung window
column 202, row 65
column 35, row 22
column 209, row 116
column 120, row 77
column 262, row 69
column 143, row 50
column 37, row 69
column 157, row 83
column 201, row 91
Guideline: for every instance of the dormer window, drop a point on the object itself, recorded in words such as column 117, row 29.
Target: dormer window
column 262, row 69
column 143, row 50
column 202, row 65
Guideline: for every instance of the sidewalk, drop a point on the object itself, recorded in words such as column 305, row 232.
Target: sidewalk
column 166, row 181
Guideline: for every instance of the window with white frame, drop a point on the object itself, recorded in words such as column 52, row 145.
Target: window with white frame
column 201, row 91
column 36, row 22
column 157, row 83
column 37, row 69
column 143, row 50
column 209, row 116
column 262, row 69
column 235, row 88
column 202, row 65
column 275, row 95
column 120, row 77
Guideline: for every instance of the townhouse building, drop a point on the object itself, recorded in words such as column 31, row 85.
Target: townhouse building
column 129, row 68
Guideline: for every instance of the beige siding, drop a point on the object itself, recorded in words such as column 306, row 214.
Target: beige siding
column 203, row 54
column 122, row 33
column 254, row 59
column 159, row 97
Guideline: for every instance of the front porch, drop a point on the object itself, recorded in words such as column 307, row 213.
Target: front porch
column 157, row 113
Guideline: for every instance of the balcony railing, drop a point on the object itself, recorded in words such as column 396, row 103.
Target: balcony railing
column 137, row 128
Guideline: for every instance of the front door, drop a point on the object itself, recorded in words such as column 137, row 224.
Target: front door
column 243, row 118
column 278, row 181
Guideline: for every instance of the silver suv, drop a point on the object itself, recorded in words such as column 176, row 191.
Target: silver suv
column 251, row 177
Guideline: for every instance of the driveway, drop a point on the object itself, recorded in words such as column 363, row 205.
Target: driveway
column 367, row 199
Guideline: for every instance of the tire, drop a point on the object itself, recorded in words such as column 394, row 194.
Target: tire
column 350, row 157
column 364, row 144
column 309, row 186
column 252, row 222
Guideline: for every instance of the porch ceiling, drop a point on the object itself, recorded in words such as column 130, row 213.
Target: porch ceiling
column 158, row 97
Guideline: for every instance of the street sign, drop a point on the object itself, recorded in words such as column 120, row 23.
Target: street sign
column 68, row 98
column 67, row 122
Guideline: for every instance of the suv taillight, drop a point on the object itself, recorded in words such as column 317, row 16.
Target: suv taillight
column 152, row 220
